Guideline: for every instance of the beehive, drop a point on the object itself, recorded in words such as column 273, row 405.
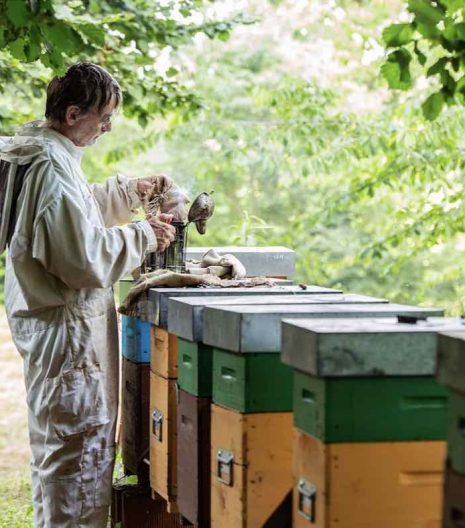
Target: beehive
column 370, row 421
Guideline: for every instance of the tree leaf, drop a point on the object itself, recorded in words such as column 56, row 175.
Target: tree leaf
column 460, row 30
column 438, row 66
column 32, row 49
column 16, row 48
column 453, row 5
column 396, row 69
column 63, row 38
column 54, row 59
column 397, row 34
column 17, row 12
column 93, row 33
column 428, row 31
column 425, row 11
column 433, row 105
column 420, row 55
column 171, row 72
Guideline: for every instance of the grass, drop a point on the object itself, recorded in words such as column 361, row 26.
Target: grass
column 15, row 500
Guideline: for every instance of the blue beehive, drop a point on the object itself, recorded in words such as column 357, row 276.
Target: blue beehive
column 135, row 340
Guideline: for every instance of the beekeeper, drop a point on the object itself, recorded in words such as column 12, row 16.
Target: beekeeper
column 69, row 243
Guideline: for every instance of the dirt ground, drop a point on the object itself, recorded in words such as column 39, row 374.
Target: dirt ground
column 14, row 446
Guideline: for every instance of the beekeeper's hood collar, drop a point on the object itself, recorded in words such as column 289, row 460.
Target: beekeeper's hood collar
column 35, row 139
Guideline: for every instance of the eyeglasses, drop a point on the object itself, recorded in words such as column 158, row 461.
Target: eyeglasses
column 104, row 120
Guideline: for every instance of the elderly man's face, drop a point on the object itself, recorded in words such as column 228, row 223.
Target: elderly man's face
column 85, row 130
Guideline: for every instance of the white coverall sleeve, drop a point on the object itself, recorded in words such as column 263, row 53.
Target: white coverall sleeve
column 117, row 199
column 83, row 255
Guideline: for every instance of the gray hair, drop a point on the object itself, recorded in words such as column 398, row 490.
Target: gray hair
column 84, row 85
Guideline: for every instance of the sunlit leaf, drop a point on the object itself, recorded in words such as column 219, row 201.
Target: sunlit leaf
column 397, row 34
column 433, row 105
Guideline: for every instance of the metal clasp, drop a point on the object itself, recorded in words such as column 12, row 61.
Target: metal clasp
column 225, row 461
column 157, row 424
column 307, row 499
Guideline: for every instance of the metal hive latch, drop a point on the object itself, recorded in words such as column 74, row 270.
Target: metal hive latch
column 225, row 461
column 157, row 424
column 306, row 499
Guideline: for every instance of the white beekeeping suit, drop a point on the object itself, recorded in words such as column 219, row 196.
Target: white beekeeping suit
column 67, row 250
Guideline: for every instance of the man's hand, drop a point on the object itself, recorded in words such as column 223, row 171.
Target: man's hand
column 151, row 185
column 164, row 232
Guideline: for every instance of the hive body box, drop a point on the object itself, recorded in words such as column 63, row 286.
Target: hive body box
column 193, row 471
column 451, row 373
column 454, row 499
column 251, row 459
column 140, row 510
column 374, row 485
column 135, row 409
column 392, row 364
column 163, row 436
column 135, row 339
column 370, row 409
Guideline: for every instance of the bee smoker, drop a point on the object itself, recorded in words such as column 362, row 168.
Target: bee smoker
column 174, row 257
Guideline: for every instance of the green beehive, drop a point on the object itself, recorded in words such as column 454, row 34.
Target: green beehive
column 369, row 409
column 367, row 380
column 195, row 364
column 251, row 382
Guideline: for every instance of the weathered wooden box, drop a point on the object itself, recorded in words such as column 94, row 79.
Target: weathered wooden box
column 374, row 485
column 164, row 353
column 135, row 411
column 194, row 478
column 454, row 499
column 251, row 467
column 163, row 437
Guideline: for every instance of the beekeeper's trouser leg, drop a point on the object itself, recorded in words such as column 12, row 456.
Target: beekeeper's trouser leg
column 72, row 478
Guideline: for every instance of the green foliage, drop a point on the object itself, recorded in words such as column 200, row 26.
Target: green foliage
column 124, row 36
column 435, row 36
